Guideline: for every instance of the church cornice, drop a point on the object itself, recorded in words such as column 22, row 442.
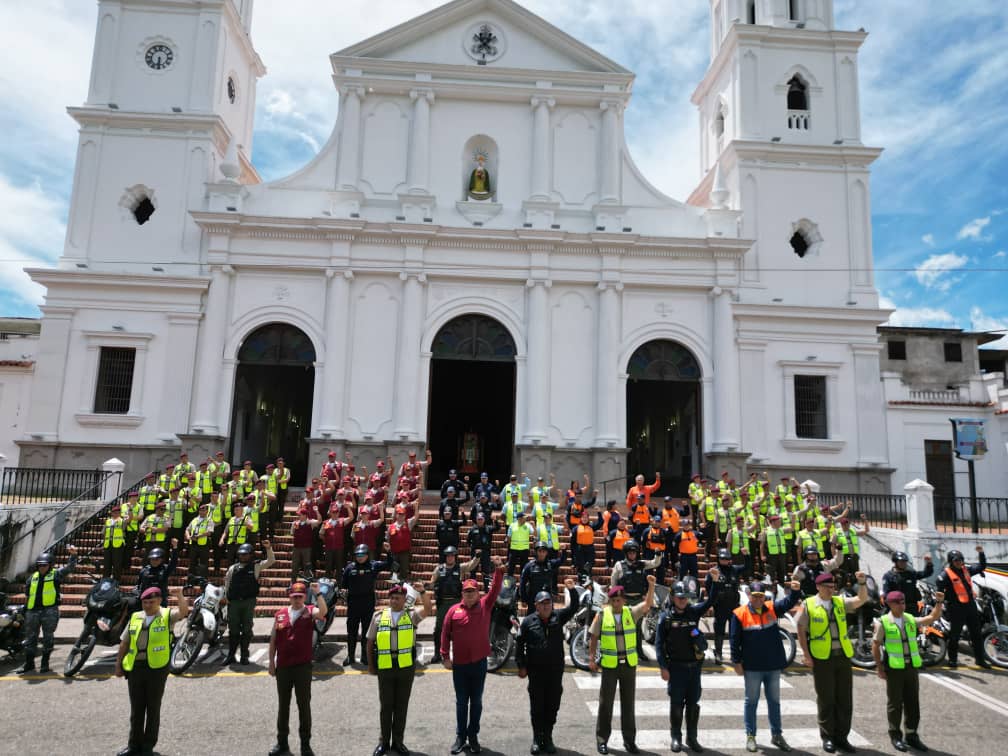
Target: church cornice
column 846, row 155
column 54, row 277
column 181, row 124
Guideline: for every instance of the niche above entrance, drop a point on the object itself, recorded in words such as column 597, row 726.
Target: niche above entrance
column 479, row 176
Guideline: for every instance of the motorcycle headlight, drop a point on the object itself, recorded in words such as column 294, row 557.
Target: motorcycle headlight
column 5, row 620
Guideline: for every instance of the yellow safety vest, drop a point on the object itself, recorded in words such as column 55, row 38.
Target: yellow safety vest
column 114, row 536
column 820, row 642
column 607, row 639
column 220, row 472
column 200, row 530
column 236, row 531
column 550, row 534
column 148, row 497
column 738, row 538
column 204, row 482
column 158, row 640
column 520, row 537
column 404, row 640
column 895, row 653
column 774, row 541
column 157, row 522
column 176, row 512
column 710, row 509
column 48, row 589
column 848, row 545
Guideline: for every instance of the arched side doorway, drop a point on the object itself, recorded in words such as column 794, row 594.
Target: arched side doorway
column 471, row 418
column 663, row 415
column 272, row 408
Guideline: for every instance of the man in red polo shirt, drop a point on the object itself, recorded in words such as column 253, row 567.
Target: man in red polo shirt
column 290, row 662
column 465, row 645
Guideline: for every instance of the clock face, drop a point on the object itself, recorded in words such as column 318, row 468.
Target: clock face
column 232, row 90
column 159, row 57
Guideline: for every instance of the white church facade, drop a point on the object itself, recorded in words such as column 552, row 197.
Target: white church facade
column 473, row 262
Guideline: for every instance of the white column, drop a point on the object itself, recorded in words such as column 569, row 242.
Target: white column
column 541, row 107
column 113, row 483
column 538, row 366
column 176, row 397
column 611, row 110
column 349, row 155
column 920, row 506
column 726, row 374
column 408, row 359
column 211, row 352
column 607, row 383
column 337, row 335
column 50, row 372
column 419, row 163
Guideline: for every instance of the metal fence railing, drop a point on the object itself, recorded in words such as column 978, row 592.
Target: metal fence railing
column 614, row 488
column 884, row 510
column 45, row 485
column 953, row 514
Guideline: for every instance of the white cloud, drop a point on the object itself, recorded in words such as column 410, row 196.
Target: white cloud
column 980, row 321
column 1001, row 253
column 31, row 235
column 936, row 271
column 928, row 239
column 922, row 317
column 974, row 228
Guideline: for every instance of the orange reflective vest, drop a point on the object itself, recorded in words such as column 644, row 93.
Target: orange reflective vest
column 688, row 542
column 655, row 539
column 621, row 537
column 670, row 519
column 641, row 514
column 963, row 588
column 584, row 535
column 749, row 620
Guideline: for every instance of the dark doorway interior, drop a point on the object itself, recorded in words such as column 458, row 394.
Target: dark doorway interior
column 471, row 426
column 940, row 471
column 272, row 409
column 663, row 416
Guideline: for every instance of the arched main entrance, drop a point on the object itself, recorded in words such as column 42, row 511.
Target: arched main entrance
column 663, row 414
column 272, row 408
column 470, row 424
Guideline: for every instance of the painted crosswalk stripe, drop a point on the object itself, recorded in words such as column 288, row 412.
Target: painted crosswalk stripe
column 94, row 661
column 654, row 682
column 985, row 700
column 734, row 739
column 715, row 708
column 258, row 655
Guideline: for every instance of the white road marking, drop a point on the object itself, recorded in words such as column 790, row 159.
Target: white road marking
column 100, row 658
column 967, row 692
column 715, row 708
column 734, row 739
column 258, row 655
column 654, row 682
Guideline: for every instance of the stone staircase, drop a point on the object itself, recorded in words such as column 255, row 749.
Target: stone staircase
column 277, row 579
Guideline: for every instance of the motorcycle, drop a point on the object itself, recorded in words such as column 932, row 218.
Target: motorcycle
column 108, row 612
column 994, row 634
column 504, row 624
column 206, row 623
column 662, row 594
column 861, row 623
column 11, row 623
column 786, row 625
column 591, row 599
column 331, row 594
column 931, row 642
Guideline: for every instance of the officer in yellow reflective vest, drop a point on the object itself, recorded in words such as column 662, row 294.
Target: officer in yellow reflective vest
column 614, row 633
column 219, row 513
column 204, row 482
column 143, row 656
column 391, row 645
column 822, row 635
column 220, row 471
column 114, row 542
column 896, row 636
column 42, row 608
column 199, row 534
column 151, row 492
column 133, row 514
column 845, row 541
column 236, row 531
column 154, row 528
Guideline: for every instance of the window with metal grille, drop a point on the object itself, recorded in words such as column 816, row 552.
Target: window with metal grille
column 897, row 350
column 115, row 380
column 953, row 351
column 810, row 406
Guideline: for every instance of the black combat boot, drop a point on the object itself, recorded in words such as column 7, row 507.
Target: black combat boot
column 675, row 726
column 28, row 666
column 692, row 721
column 44, row 665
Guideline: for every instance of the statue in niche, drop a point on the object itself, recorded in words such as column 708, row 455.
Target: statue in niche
column 479, row 180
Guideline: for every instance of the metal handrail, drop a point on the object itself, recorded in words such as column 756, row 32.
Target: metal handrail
column 23, row 485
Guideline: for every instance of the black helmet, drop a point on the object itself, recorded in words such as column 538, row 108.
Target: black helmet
column 810, row 550
column 900, row 556
column 542, row 545
column 723, row 554
column 631, row 545
column 679, row 589
column 43, row 559
column 448, row 551
column 954, row 555
column 157, row 553
column 361, row 550
column 245, row 548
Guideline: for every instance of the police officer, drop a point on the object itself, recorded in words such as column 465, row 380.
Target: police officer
column 144, row 651
column 446, row 582
column 903, row 578
column 807, row 572
column 896, row 635
column 156, row 572
column 480, row 540
column 727, row 590
column 391, row 644
column 358, row 580
column 539, row 653
column 955, row 582
column 630, row 572
column 114, row 542
column 680, row 647
column 241, row 587
column 42, row 608
column 540, row 574
column 199, row 533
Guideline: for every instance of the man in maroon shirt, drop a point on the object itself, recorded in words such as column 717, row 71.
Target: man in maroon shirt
column 290, row 662
column 465, row 645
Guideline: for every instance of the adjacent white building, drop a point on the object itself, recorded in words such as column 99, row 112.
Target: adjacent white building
column 556, row 312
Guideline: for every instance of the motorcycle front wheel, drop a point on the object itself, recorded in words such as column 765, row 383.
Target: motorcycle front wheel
column 186, row 650
column 995, row 645
column 790, row 646
column 933, row 648
column 579, row 650
column 649, row 627
column 862, row 643
column 79, row 654
column 501, row 645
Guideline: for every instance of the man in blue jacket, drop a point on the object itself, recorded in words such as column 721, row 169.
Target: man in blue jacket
column 757, row 653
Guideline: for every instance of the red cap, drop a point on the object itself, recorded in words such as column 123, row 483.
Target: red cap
column 397, row 588
column 150, row 475
column 169, row 467
column 400, row 509
column 152, row 592
column 470, row 585
column 332, row 454
column 247, row 462
column 298, row 589
column 219, row 454
column 235, row 473
column 826, row 577
column 616, row 590
column 380, row 464
column 412, row 454
column 270, row 467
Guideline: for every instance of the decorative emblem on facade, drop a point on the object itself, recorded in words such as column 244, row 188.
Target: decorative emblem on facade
column 281, row 293
column 484, row 43
column 664, row 310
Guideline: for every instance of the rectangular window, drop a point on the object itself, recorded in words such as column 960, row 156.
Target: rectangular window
column 953, row 351
column 897, row 350
column 810, row 406
column 115, row 380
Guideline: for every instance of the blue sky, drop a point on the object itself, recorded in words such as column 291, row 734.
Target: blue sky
column 933, row 81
